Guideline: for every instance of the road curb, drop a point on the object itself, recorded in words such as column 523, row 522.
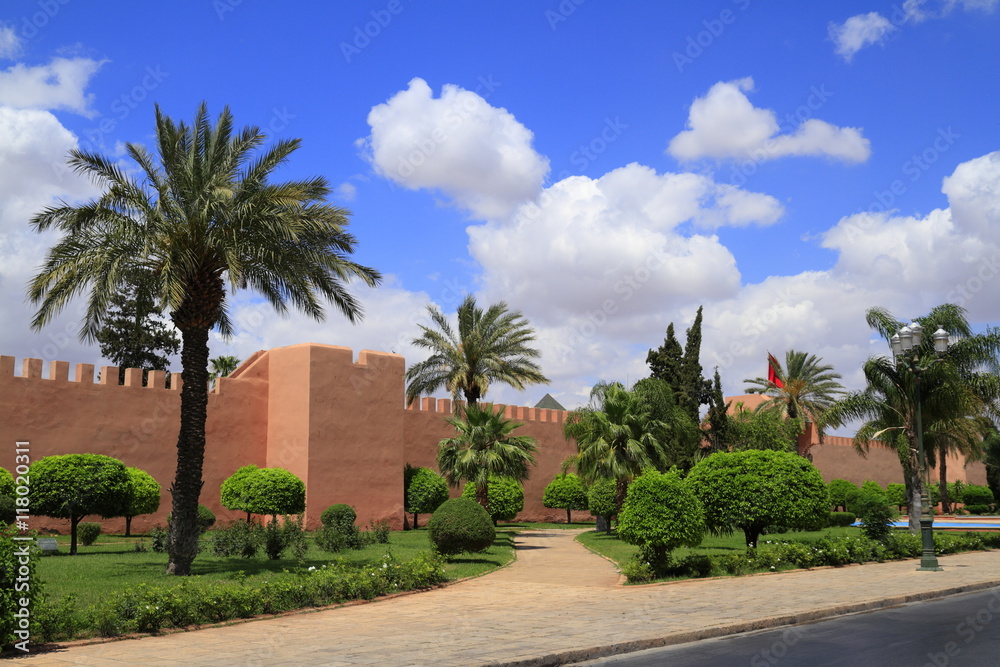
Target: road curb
column 787, row 620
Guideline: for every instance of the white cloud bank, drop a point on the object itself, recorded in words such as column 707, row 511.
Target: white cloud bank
column 725, row 124
column 57, row 85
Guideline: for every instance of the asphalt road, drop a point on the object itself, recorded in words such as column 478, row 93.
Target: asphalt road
column 959, row 630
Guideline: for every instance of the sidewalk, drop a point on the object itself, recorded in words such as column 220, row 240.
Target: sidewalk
column 557, row 604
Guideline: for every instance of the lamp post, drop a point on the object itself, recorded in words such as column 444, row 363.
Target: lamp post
column 906, row 350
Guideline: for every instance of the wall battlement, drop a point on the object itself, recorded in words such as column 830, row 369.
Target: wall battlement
column 83, row 374
column 445, row 406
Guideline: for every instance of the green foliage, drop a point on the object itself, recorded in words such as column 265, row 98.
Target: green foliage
column 566, row 492
column 681, row 368
column 978, row 509
column 840, row 519
column 8, row 510
column 895, row 494
column 232, row 493
column 278, row 537
column 144, row 493
column 6, row 483
column 660, row 514
column 460, row 525
column 11, row 591
column 425, row 492
column 868, row 488
column 601, row 498
column 378, row 531
column 73, row 486
column 506, row 497
column 875, row 513
column 88, row 533
column 762, row 429
column 339, row 515
column 158, row 539
column 842, row 493
column 975, row 494
column 753, row 490
column 677, row 433
column 239, row 538
column 133, row 333
column 270, row 491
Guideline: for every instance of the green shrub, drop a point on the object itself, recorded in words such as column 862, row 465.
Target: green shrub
column 88, row 533
column 870, row 489
column 637, row 570
column 239, row 538
column 566, row 492
column 842, row 493
column 158, row 537
column 974, row 494
column 8, row 509
column 56, row 620
column 602, row 498
column 143, row 497
column 461, row 525
column 339, row 515
column 978, row 509
column 378, row 531
column 660, row 513
column 895, row 493
column 505, row 497
column 425, row 492
column 11, row 592
column 288, row 534
column 876, row 515
column 6, row 483
column 842, row 519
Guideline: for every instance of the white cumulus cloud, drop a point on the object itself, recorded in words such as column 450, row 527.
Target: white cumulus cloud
column 859, row 31
column 725, row 124
column 10, row 43
column 477, row 154
column 61, row 84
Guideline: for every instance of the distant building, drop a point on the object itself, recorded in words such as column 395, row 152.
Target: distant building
column 549, row 403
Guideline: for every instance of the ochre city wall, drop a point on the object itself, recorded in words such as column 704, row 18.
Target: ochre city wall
column 338, row 423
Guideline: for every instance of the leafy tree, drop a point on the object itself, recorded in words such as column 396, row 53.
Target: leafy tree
column 681, row 368
column 201, row 213
column 808, row 389
column 761, row 429
column 955, row 394
column 506, row 498
column 875, row 514
column 602, row 499
column 274, row 491
column 719, row 423
column 490, row 346
column 143, row 498
column 233, row 494
column 73, row 486
column 618, row 440
column 842, row 493
column 755, row 490
column 895, row 494
column 483, row 447
column 679, row 436
column 426, row 492
column 660, row 514
column 6, row 483
column 566, row 492
column 133, row 335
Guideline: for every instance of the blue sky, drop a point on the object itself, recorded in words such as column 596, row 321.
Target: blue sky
column 604, row 168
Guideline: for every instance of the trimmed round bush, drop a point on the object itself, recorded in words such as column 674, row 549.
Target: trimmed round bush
column 566, row 492
column 842, row 519
column 506, row 497
column 338, row 516
column 974, row 494
column 842, row 493
column 425, row 492
column 601, row 497
column 88, row 533
column 7, row 510
column 978, row 509
column 461, row 525
column 660, row 513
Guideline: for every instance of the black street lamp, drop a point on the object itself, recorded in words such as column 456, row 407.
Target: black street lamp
column 906, row 351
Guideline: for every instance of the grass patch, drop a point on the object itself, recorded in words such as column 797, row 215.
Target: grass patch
column 112, row 563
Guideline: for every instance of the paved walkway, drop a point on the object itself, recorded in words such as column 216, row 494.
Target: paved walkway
column 557, row 604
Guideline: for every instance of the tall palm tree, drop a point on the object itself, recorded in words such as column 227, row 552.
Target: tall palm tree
column 201, row 213
column 616, row 439
column 483, row 445
column 805, row 391
column 956, row 392
column 489, row 346
column 222, row 366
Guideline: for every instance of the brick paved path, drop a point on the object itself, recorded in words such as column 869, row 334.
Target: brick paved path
column 558, row 603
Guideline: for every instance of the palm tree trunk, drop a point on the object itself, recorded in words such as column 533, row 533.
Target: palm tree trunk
column 483, row 495
column 621, row 490
column 184, row 529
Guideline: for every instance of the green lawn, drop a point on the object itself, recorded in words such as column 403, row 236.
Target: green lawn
column 618, row 551
column 112, row 564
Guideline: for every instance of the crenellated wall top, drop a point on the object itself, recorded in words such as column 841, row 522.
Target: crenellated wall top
column 445, row 406
column 83, row 374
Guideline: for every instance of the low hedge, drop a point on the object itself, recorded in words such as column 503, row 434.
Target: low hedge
column 149, row 610
column 842, row 519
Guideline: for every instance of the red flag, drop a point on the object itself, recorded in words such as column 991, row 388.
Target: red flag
column 772, row 373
